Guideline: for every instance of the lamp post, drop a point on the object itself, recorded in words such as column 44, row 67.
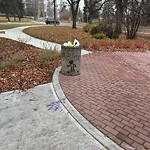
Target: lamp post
column 54, row 12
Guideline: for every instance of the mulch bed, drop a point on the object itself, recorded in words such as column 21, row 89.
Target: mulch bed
column 26, row 73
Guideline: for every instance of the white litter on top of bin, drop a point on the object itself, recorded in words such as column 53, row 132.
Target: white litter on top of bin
column 75, row 43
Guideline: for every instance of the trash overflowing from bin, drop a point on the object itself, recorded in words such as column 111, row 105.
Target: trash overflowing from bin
column 70, row 58
column 75, row 43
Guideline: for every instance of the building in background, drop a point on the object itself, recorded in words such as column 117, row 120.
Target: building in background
column 34, row 8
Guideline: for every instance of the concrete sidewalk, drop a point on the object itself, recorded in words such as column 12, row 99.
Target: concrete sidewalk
column 27, row 124
column 17, row 35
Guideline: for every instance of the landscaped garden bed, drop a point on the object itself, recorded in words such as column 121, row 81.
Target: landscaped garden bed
column 23, row 66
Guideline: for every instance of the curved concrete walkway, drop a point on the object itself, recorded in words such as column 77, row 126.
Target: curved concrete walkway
column 27, row 124
column 29, row 120
column 17, row 35
column 113, row 93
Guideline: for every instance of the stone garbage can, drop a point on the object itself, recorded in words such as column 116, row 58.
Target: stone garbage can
column 70, row 60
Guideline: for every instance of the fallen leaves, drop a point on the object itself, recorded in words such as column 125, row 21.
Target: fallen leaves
column 26, row 72
column 61, row 34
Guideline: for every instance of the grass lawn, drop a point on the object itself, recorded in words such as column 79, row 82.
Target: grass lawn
column 23, row 66
column 61, row 34
column 4, row 19
column 10, row 26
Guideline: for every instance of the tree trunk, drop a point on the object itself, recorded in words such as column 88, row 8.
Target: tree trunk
column 118, row 22
column 133, row 20
column 132, row 29
column 35, row 16
column 74, row 19
column 14, row 19
column 131, row 35
column 54, row 12
column 90, row 19
column 7, row 16
column 74, row 5
column 119, row 18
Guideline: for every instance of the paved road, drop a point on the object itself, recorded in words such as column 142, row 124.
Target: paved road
column 113, row 93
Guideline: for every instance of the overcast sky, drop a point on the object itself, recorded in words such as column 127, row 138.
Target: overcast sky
column 81, row 5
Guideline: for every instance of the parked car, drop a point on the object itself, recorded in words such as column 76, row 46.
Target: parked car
column 51, row 21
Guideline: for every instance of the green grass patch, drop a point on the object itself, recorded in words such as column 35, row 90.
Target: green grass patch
column 47, row 57
column 4, row 19
column 10, row 26
column 13, row 61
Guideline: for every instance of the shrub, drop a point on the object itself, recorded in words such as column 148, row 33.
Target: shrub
column 85, row 45
column 94, row 29
column 95, row 46
column 138, row 44
column 86, row 28
column 99, row 36
column 105, row 43
column 107, row 29
column 102, row 27
column 121, row 44
column 13, row 61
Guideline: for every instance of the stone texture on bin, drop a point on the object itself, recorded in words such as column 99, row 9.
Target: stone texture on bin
column 70, row 60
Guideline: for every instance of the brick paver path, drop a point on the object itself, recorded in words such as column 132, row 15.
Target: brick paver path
column 113, row 93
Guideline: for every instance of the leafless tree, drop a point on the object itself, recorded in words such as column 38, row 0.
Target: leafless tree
column 146, row 12
column 13, row 8
column 120, row 6
column 74, row 5
column 132, row 17
column 93, row 7
column 108, row 12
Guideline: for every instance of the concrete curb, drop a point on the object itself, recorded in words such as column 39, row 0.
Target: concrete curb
column 89, row 128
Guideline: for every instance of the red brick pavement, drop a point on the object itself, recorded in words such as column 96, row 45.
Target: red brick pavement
column 113, row 93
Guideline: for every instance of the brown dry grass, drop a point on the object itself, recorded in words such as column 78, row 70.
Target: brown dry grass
column 10, row 26
column 4, row 19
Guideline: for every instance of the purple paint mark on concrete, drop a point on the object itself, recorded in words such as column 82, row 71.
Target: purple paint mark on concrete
column 55, row 105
